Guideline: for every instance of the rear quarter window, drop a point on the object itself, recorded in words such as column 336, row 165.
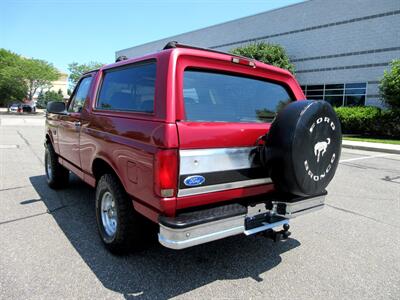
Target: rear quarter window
column 219, row 97
column 129, row 88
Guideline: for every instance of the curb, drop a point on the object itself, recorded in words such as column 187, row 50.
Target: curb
column 371, row 148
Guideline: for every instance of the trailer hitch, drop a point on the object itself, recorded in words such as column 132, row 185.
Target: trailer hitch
column 277, row 236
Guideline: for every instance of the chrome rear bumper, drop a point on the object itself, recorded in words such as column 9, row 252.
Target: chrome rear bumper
column 294, row 209
column 180, row 235
column 187, row 237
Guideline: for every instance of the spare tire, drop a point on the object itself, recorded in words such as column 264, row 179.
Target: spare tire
column 303, row 147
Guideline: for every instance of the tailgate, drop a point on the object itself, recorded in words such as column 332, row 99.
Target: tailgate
column 219, row 156
column 224, row 115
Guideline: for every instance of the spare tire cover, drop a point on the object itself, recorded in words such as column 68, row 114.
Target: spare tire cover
column 303, row 147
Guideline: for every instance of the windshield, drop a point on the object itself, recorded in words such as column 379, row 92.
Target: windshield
column 220, row 97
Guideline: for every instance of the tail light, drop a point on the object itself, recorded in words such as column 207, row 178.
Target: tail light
column 166, row 173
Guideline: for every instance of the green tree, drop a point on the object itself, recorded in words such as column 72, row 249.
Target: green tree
column 389, row 88
column 13, row 86
column 22, row 77
column 48, row 96
column 271, row 54
column 38, row 74
column 77, row 70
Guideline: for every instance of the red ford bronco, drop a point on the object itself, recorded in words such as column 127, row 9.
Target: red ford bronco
column 205, row 144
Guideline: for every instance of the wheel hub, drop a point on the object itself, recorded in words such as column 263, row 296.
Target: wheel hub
column 109, row 214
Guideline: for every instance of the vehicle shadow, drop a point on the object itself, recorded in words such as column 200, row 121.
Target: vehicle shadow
column 157, row 272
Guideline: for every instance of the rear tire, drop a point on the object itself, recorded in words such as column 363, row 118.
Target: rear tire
column 120, row 226
column 57, row 176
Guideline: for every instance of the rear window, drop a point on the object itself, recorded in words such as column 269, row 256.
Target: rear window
column 128, row 88
column 220, row 97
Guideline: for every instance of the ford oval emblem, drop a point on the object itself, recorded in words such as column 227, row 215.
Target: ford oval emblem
column 194, row 180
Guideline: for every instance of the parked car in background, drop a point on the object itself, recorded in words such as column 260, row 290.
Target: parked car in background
column 16, row 107
column 28, row 108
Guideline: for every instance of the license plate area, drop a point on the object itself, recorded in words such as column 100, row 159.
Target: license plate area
column 263, row 222
column 257, row 215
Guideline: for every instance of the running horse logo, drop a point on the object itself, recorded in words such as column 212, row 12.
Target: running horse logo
column 320, row 148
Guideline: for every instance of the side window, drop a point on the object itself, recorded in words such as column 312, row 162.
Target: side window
column 128, row 88
column 80, row 95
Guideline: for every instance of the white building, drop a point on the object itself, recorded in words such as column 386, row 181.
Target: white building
column 340, row 47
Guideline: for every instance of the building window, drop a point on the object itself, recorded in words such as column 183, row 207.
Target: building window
column 342, row 94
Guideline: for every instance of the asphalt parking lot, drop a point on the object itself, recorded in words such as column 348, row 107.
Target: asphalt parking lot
column 49, row 247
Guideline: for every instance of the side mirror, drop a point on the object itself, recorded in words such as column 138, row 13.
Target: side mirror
column 55, row 107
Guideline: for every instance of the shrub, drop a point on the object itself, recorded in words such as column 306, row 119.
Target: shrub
column 389, row 123
column 357, row 119
column 368, row 120
column 272, row 54
column 389, row 88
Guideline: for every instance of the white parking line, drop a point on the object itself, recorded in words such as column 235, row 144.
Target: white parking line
column 8, row 146
column 366, row 157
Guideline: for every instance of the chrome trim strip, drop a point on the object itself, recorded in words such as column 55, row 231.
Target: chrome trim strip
column 222, row 186
column 215, row 159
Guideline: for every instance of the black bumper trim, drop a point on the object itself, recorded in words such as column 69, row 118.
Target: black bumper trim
column 190, row 219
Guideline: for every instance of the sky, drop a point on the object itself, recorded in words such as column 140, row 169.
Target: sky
column 65, row 31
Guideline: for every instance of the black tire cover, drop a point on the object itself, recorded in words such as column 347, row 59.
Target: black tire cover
column 303, row 147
